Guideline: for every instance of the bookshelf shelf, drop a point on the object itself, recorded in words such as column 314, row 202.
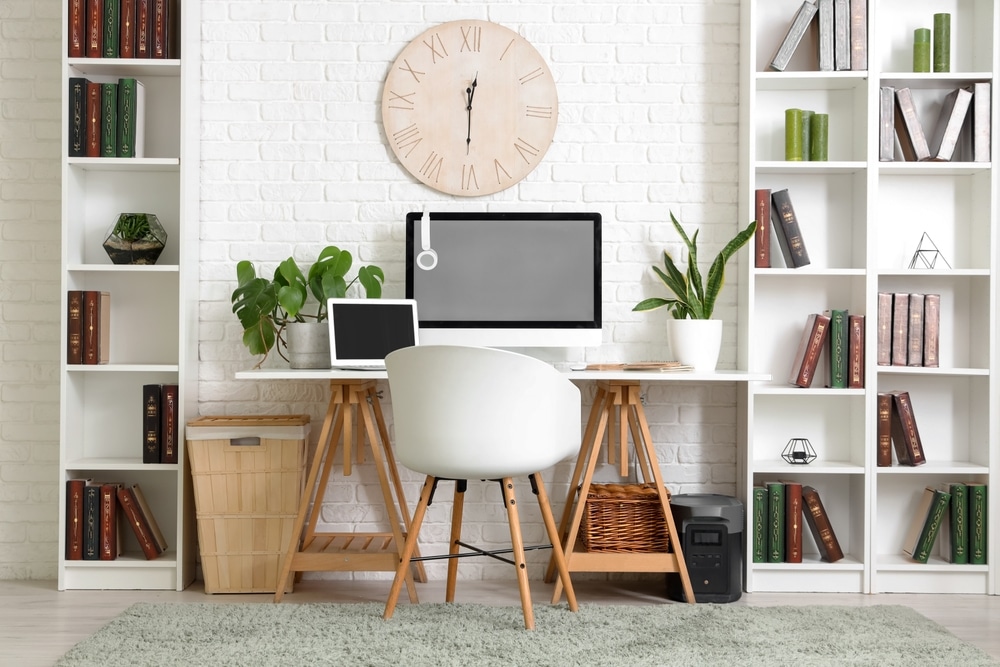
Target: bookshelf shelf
column 153, row 320
column 862, row 220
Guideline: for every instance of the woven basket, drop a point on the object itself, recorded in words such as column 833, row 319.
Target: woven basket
column 624, row 518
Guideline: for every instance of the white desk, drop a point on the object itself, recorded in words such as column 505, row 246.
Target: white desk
column 617, row 403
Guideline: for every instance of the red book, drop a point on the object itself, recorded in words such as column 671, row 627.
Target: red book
column 855, row 351
column 94, row 47
column 143, row 39
column 126, row 40
column 160, row 29
column 793, row 522
column 77, row 27
column 905, row 435
column 168, row 424
column 820, row 526
column 74, row 327
column 109, row 521
column 74, row 518
column 762, row 235
column 135, row 519
column 93, row 146
column 883, row 453
column 811, row 345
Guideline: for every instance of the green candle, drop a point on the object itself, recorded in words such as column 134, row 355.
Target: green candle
column 942, row 42
column 793, row 135
column 922, row 50
column 806, row 130
column 820, row 133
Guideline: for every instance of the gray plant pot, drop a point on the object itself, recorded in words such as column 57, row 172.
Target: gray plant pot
column 309, row 345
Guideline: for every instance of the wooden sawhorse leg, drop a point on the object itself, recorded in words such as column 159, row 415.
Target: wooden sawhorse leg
column 616, row 399
column 353, row 417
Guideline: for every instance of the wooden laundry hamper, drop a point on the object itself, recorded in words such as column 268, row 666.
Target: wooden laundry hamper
column 248, row 481
column 624, row 518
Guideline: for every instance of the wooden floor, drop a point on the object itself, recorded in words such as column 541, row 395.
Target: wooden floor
column 38, row 623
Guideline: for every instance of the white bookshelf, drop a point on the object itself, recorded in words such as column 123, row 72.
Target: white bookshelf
column 862, row 220
column 153, row 313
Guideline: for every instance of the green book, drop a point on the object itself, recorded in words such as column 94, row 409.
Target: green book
column 955, row 534
column 775, row 522
column 926, row 524
column 111, row 28
column 977, row 524
column 130, row 108
column 838, row 349
column 759, row 524
column 109, row 120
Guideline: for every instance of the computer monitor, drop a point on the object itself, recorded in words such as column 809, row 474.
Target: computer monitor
column 506, row 279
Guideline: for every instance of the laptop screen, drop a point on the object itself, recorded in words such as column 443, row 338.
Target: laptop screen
column 364, row 331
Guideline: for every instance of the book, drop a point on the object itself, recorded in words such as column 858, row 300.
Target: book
column 838, row 342
column 793, row 522
column 918, row 543
column 77, row 28
column 932, row 329
column 151, row 423
column 909, row 131
column 109, row 120
column 131, row 125
column 886, row 123
column 883, row 429
column 168, row 423
column 787, row 230
column 811, row 343
column 143, row 38
column 796, row 29
column 842, row 34
column 96, row 326
column 74, row 327
column 978, row 523
column 112, row 31
column 900, row 327
column 980, row 120
column 95, row 29
column 109, row 522
column 915, row 331
column 883, row 332
column 819, row 525
column 760, row 524
column 147, row 513
column 74, row 519
column 905, row 434
column 948, row 129
column 162, row 29
column 126, row 40
column 91, row 522
column 855, row 351
column 825, row 35
column 136, row 521
column 762, row 233
column 77, row 116
column 93, row 146
column 954, row 533
column 775, row 522
column 859, row 35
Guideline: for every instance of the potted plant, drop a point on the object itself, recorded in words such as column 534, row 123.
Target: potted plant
column 135, row 238
column 694, row 299
column 269, row 309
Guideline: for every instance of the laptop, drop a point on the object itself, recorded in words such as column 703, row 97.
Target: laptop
column 364, row 331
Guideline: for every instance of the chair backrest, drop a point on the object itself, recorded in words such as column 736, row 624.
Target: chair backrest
column 480, row 413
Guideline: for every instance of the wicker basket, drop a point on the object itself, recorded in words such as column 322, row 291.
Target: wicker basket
column 248, row 481
column 624, row 518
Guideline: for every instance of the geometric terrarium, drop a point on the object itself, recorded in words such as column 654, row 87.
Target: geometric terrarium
column 799, row 451
column 135, row 238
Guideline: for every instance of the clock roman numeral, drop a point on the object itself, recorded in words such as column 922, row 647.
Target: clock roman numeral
column 525, row 149
column 506, row 49
column 469, row 180
column 500, row 170
column 407, row 139
column 431, row 168
column 401, row 101
column 538, row 112
column 475, row 34
column 416, row 74
column 435, row 54
column 533, row 74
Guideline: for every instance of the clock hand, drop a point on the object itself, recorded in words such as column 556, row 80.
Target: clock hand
column 471, row 92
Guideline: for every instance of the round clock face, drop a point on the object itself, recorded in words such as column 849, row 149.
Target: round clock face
column 469, row 107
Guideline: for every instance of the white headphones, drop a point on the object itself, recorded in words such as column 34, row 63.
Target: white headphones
column 427, row 259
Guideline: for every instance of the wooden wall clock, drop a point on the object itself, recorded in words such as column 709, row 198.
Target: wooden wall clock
column 469, row 107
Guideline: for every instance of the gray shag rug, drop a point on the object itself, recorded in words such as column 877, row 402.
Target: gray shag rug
column 474, row 634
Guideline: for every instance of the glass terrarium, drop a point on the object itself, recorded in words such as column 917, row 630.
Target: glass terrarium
column 135, row 238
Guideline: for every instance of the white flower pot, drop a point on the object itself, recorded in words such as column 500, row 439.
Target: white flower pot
column 696, row 343
column 308, row 344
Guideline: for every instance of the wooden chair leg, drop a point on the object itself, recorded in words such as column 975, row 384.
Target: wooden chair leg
column 517, row 542
column 456, row 534
column 409, row 546
column 558, row 557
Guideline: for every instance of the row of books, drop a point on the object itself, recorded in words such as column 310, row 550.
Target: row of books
column 778, row 511
column 954, row 515
column 88, row 322
column 909, row 329
column 122, row 29
column 159, row 423
column 107, row 119
column 842, row 33
column 96, row 514
column 775, row 215
column 838, row 337
column 962, row 129
column 896, row 431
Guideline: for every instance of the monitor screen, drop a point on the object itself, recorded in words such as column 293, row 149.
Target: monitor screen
column 506, row 279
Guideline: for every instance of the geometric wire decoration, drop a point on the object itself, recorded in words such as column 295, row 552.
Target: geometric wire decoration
column 799, row 451
column 927, row 254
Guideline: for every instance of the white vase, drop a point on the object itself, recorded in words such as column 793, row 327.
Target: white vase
column 308, row 344
column 696, row 343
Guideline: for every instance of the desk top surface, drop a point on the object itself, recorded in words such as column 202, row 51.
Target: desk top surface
column 641, row 376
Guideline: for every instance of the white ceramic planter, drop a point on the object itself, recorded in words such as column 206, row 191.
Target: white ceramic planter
column 695, row 343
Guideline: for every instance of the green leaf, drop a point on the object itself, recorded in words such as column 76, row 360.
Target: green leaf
column 371, row 278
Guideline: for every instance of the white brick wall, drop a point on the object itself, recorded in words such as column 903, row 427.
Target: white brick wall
column 293, row 158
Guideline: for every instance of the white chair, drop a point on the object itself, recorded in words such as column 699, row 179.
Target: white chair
column 464, row 413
